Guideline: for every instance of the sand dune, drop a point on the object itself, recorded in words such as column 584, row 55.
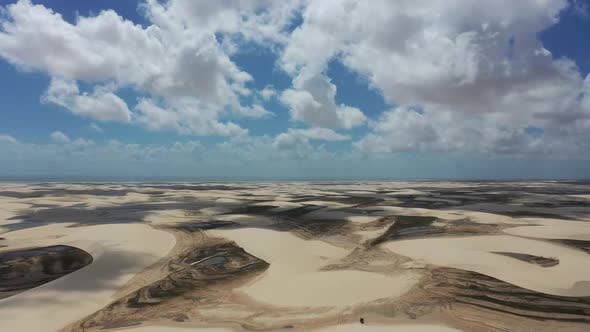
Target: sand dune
column 295, row 277
column 303, row 256
column 175, row 329
column 119, row 253
column 337, row 328
column 571, row 277
column 552, row 229
column 387, row 328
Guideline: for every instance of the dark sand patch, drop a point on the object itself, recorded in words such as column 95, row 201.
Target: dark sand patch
column 407, row 227
column 79, row 216
column 352, row 200
column 269, row 210
column 28, row 268
column 252, row 209
column 448, row 285
column 194, row 187
column 411, row 227
column 579, row 244
column 535, row 214
column 197, row 276
column 537, row 260
column 72, row 192
column 204, row 225
column 314, row 228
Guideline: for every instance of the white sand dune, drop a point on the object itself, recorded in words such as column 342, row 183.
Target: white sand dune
column 571, row 277
column 552, row 229
column 119, row 252
column 294, row 277
column 336, row 328
column 154, row 328
column 296, row 282
column 387, row 328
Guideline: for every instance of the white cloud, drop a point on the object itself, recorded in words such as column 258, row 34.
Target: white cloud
column 95, row 128
column 255, row 111
column 187, row 116
column 154, row 117
column 258, row 20
column 468, row 76
column 100, row 105
column 7, row 138
column 471, row 66
column 176, row 58
column 59, row 137
column 407, row 129
column 189, row 146
column 400, row 130
column 320, row 134
column 312, row 102
column 293, row 146
column 295, row 143
column 268, row 92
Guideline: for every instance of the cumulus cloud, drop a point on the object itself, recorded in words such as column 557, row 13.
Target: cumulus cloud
column 95, row 128
column 319, row 134
column 268, row 92
column 189, row 146
column 400, row 130
column 312, row 101
column 187, row 117
column 408, row 129
column 100, row 105
column 471, row 66
column 254, row 111
column 257, row 20
column 292, row 145
column 59, row 137
column 296, row 143
column 177, row 57
column 7, row 138
column 467, row 75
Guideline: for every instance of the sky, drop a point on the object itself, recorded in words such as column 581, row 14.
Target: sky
column 294, row 90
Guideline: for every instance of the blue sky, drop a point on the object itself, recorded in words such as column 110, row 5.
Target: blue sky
column 245, row 90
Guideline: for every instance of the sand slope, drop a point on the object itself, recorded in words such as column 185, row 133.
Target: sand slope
column 295, row 277
column 119, row 252
column 387, row 328
column 571, row 277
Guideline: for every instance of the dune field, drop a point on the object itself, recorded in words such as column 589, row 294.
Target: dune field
column 296, row 256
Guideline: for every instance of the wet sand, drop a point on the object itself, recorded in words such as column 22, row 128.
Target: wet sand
column 28, row 268
column 119, row 252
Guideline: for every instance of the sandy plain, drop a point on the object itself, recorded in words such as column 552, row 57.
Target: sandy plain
column 302, row 256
